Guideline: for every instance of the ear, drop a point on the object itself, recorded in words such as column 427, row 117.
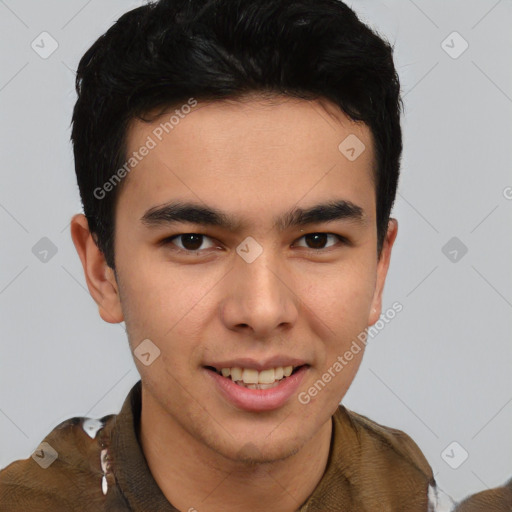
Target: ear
column 382, row 270
column 99, row 276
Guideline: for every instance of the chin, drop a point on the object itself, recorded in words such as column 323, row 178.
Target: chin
column 261, row 450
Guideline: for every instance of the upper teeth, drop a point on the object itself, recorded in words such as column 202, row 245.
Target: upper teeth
column 251, row 376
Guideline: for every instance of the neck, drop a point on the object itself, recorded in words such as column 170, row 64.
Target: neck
column 193, row 477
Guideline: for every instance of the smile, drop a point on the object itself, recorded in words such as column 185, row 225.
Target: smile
column 257, row 391
column 254, row 379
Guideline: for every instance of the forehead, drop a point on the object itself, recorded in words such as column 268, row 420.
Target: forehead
column 259, row 116
column 256, row 150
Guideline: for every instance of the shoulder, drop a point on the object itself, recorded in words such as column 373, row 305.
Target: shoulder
column 66, row 466
column 396, row 460
column 383, row 467
column 390, row 444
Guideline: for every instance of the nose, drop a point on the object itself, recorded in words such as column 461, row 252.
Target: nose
column 259, row 297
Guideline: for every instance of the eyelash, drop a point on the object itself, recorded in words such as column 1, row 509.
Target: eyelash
column 169, row 240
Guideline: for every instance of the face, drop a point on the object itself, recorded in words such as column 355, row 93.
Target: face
column 282, row 269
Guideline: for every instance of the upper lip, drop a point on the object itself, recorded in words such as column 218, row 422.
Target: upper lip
column 247, row 362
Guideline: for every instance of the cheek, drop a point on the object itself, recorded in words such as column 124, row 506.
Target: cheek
column 341, row 295
column 165, row 306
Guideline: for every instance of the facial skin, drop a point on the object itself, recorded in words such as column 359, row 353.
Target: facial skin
column 302, row 297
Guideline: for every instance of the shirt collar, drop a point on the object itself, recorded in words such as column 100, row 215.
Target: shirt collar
column 342, row 475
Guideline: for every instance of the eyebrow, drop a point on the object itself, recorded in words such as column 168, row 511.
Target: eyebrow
column 186, row 212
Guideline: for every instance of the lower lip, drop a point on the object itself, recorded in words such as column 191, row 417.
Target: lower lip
column 257, row 400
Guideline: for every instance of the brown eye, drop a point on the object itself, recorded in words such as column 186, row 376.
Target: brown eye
column 317, row 241
column 190, row 242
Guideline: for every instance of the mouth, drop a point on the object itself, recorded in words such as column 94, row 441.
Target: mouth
column 251, row 378
column 259, row 388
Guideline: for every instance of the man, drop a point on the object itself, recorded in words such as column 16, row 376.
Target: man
column 237, row 163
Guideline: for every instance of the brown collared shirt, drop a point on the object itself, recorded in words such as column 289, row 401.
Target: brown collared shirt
column 93, row 465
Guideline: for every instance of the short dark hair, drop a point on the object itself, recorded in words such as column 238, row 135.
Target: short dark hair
column 161, row 54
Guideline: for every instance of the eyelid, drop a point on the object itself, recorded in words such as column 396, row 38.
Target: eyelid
column 341, row 239
column 170, row 240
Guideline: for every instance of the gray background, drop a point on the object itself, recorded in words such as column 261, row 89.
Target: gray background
column 440, row 371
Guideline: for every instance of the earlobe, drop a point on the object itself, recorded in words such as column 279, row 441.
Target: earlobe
column 99, row 276
column 382, row 270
